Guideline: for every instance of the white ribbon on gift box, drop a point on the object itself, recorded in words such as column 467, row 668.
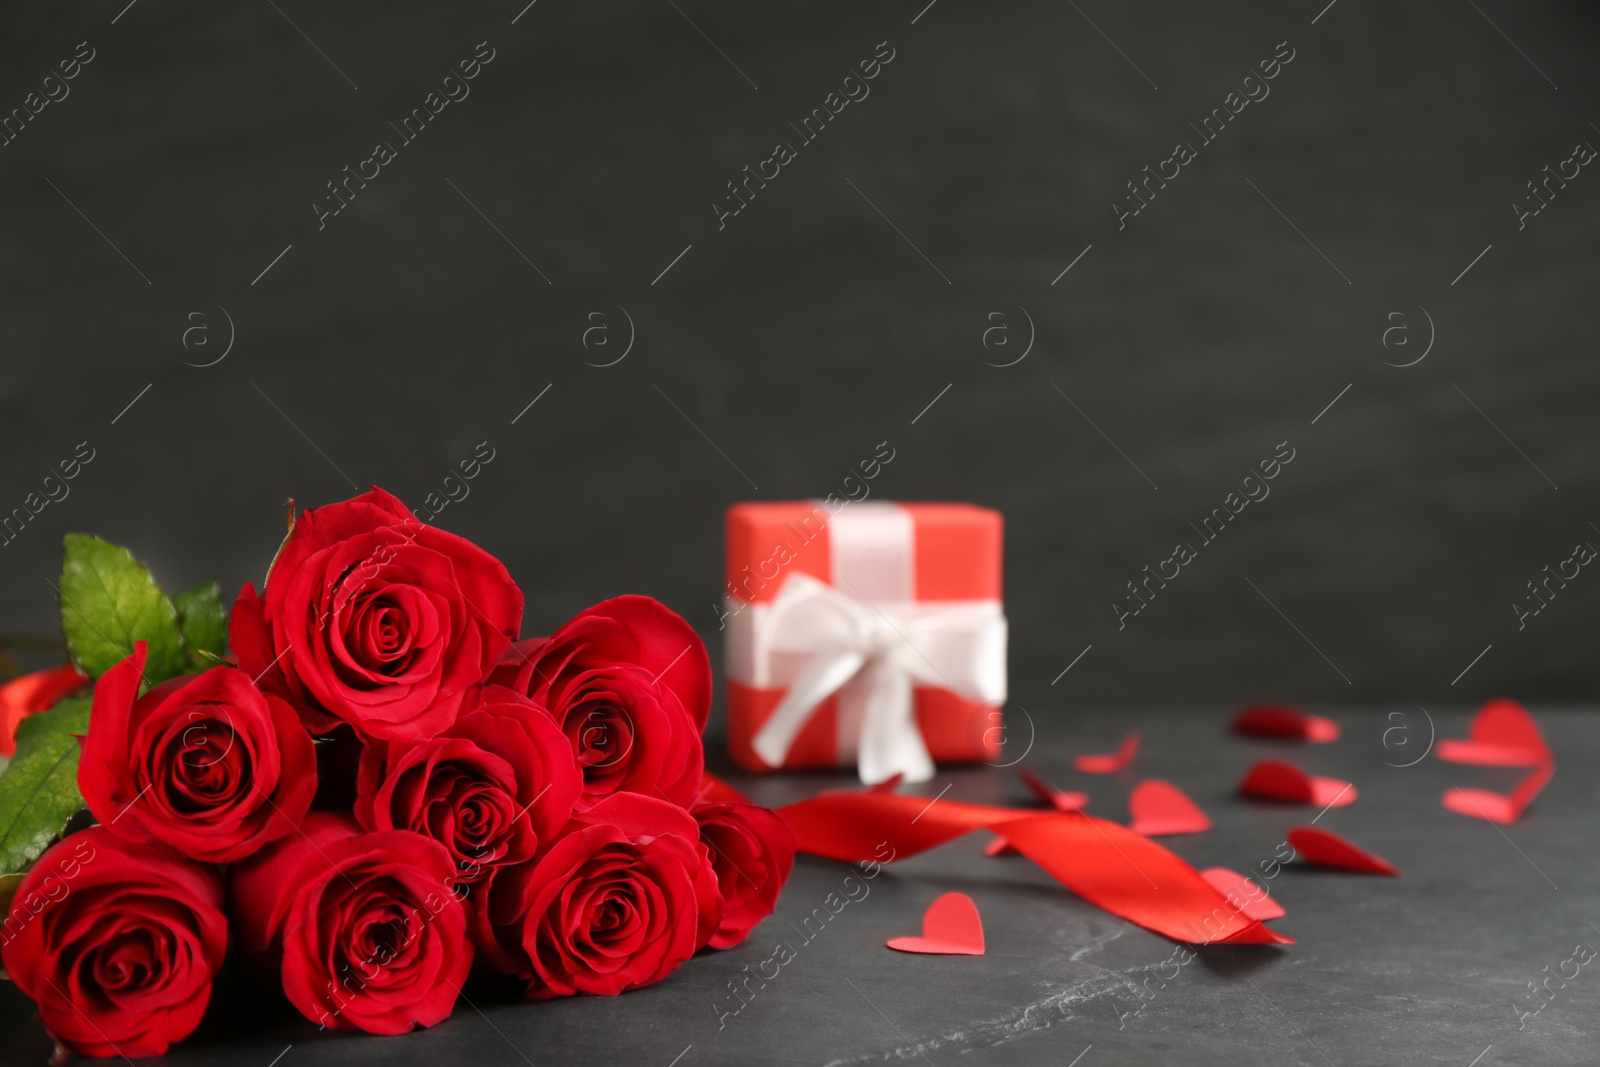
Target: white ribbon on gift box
column 868, row 652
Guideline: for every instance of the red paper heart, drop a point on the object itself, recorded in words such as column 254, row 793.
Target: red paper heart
column 1059, row 799
column 950, row 927
column 1327, row 849
column 1161, row 809
column 1503, row 734
column 1492, row 807
column 1110, row 763
column 1275, row 720
column 1244, row 896
column 1282, row 780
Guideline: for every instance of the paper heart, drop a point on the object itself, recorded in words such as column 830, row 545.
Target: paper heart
column 1492, row 807
column 1110, row 763
column 1161, row 809
column 1275, row 720
column 1282, row 780
column 950, row 927
column 1503, row 734
column 1326, row 849
column 1244, row 896
column 1059, row 799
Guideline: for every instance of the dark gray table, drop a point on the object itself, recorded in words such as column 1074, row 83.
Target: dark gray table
column 1423, row 969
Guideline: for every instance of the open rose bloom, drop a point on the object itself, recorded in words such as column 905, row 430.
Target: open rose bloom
column 117, row 943
column 534, row 807
column 364, row 929
column 630, row 683
column 625, row 895
column 376, row 619
column 218, row 767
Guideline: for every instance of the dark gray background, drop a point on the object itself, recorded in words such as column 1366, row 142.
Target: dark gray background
column 385, row 347
column 808, row 331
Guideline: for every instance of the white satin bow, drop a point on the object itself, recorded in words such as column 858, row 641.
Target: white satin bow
column 871, row 655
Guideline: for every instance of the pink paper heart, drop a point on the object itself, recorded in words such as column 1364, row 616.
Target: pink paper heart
column 950, row 927
column 1161, row 809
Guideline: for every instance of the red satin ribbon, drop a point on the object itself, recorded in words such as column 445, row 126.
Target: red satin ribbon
column 33, row 693
column 1108, row 865
column 714, row 790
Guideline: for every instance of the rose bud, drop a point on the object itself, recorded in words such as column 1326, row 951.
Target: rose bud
column 116, row 942
column 630, row 683
column 621, row 898
column 363, row 930
column 752, row 851
column 374, row 618
column 501, row 780
column 206, row 763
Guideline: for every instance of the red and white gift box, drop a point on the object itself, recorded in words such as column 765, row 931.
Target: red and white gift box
column 864, row 633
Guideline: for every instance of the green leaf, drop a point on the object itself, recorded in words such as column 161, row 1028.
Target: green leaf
column 39, row 791
column 204, row 623
column 108, row 601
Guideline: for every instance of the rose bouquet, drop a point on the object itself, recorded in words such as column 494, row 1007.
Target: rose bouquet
column 365, row 783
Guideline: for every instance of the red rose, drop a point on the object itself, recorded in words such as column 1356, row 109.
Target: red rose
column 630, row 683
column 501, row 780
column 205, row 763
column 364, row 930
column 623, row 897
column 30, row 694
column 752, row 851
column 116, row 942
column 374, row 618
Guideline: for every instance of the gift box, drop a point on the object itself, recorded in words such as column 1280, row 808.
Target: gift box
column 863, row 633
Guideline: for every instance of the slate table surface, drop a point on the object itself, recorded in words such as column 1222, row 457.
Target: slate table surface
column 1179, row 352
column 1430, row 968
